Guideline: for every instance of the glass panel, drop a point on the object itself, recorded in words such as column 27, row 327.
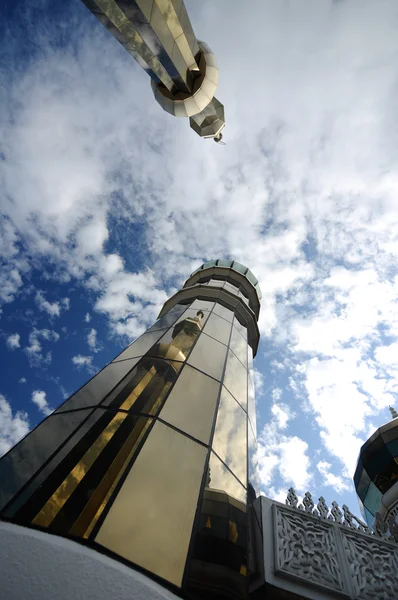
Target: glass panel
column 141, row 345
column 29, row 455
column 223, row 312
column 192, row 403
column 210, row 263
column 251, row 406
column 151, row 518
column 363, row 484
column 372, row 498
column 218, row 328
column 253, row 484
column 251, row 277
column 177, row 342
column 73, row 495
column 169, row 318
column 240, row 268
column 202, row 305
column 221, row 537
column 146, row 386
column 391, row 433
column 392, row 447
column 369, row 517
column 94, row 392
column 229, row 440
column 241, row 328
column 238, row 346
column 235, row 379
column 209, row 356
column 358, row 472
column 215, row 283
column 225, row 263
column 250, row 360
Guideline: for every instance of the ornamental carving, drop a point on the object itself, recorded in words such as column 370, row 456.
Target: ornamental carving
column 306, row 549
column 373, row 567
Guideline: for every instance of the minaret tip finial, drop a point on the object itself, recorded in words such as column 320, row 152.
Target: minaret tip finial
column 393, row 412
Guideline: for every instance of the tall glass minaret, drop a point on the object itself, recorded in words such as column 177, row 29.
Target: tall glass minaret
column 152, row 462
column 183, row 70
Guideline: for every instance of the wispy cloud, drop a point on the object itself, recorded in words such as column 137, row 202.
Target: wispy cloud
column 12, row 426
column 13, row 341
column 39, row 398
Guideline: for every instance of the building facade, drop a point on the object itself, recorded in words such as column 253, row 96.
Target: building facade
column 152, row 462
column 183, row 70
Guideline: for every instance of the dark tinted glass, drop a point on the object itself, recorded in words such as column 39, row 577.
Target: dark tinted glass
column 372, row 499
column 98, row 388
column 229, row 440
column 391, row 433
column 150, row 521
column 74, row 494
column 208, row 356
column 27, row 457
column 191, row 404
column 363, row 484
column 238, row 346
column 146, row 386
column 235, row 379
column 169, row 318
column 219, row 555
column 141, row 345
column 218, row 328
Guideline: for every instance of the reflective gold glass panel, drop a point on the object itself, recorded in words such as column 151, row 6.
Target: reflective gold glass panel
column 238, row 346
column 141, row 345
column 253, row 485
column 219, row 554
column 177, row 342
column 97, row 389
column 191, row 404
column 251, row 406
column 241, row 328
column 150, row 521
column 223, row 312
column 218, row 328
column 208, row 356
column 146, row 386
column 230, row 441
column 73, row 495
column 235, row 379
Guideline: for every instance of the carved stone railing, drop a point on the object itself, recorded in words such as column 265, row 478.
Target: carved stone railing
column 383, row 529
column 319, row 552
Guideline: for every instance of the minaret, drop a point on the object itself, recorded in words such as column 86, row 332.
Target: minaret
column 183, row 70
column 152, row 462
column 376, row 475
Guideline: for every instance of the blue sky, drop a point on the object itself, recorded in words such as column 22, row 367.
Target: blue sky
column 107, row 204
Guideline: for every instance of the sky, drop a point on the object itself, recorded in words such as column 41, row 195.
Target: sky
column 107, row 204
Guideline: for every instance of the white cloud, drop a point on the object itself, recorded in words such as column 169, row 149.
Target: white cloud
column 39, row 398
column 337, row 482
column 12, row 426
column 52, row 308
column 65, row 303
column 282, row 455
column 276, row 394
column 13, row 341
column 87, row 318
column 22, row 380
column 81, row 362
column 34, row 350
column 92, row 340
